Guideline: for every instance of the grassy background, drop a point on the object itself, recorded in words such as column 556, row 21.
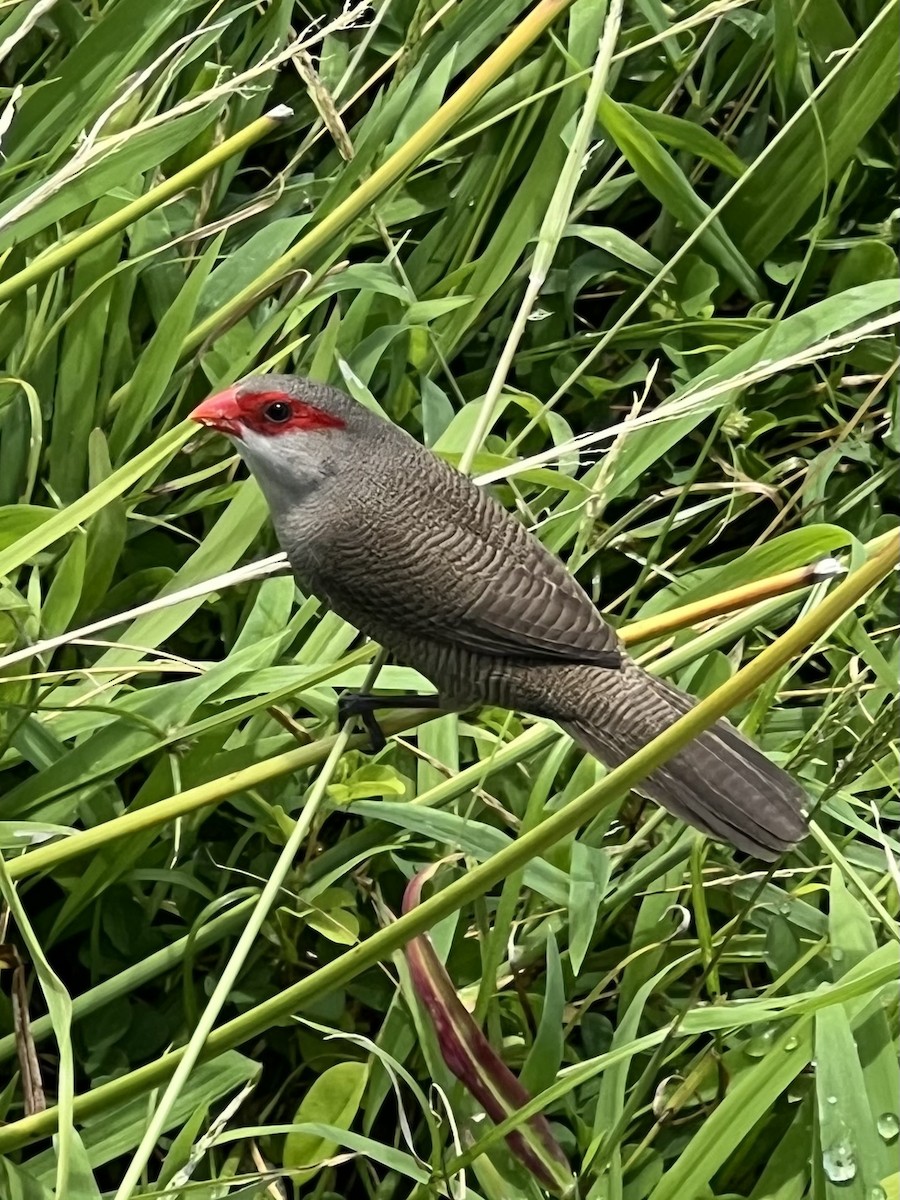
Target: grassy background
column 512, row 228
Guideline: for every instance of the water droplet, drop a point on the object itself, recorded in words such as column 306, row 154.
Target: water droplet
column 784, row 908
column 832, row 1099
column 888, row 1126
column 839, row 1159
column 792, row 1043
column 836, row 953
column 761, row 1043
column 877, row 1192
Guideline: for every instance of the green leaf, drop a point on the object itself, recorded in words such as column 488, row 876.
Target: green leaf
column 85, row 344
column 864, row 262
column 333, row 1099
column 370, row 780
column 852, row 941
column 64, row 593
column 616, row 243
column 471, row 836
column 665, row 180
column 545, row 1056
column 589, row 875
column 786, row 53
column 242, row 266
column 106, row 532
column 158, row 360
column 16, row 835
column 17, row 1183
column 19, row 520
column 686, row 135
column 774, row 198
column 849, row 1143
column 219, row 552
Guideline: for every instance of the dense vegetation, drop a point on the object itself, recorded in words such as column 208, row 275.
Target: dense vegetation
column 513, row 228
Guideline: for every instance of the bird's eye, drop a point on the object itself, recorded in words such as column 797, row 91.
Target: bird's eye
column 279, row 411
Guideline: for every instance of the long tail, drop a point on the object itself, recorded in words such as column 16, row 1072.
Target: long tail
column 720, row 783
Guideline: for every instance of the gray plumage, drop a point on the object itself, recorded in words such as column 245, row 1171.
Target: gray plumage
column 418, row 557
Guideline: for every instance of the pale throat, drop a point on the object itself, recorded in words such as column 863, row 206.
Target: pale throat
column 287, row 473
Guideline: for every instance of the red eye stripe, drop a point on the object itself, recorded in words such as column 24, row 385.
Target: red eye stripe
column 254, row 414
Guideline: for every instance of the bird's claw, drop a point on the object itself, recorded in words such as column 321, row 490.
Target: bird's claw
column 352, row 704
column 360, row 704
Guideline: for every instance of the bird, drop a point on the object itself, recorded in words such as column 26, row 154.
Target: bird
column 417, row 556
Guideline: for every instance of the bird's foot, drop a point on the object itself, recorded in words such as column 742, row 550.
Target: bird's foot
column 355, row 704
column 364, row 706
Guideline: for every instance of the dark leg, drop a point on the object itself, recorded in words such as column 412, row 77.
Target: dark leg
column 357, row 704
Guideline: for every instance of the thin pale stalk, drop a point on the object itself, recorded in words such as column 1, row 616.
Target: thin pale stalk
column 258, row 570
column 551, row 231
column 478, row 880
column 193, row 1050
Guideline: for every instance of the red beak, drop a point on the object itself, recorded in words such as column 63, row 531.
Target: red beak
column 222, row 412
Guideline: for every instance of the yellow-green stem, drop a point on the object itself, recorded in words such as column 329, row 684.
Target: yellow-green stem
column 390, row 172
column 717, row 606
column 202, row 796
column 60, row 256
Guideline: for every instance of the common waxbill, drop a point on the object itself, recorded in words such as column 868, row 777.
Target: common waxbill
column 427, row 563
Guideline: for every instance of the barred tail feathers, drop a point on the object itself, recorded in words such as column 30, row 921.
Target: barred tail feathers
column 720, row 783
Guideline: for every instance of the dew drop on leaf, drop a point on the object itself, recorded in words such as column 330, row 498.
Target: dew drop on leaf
column 888, row 1126
column 761, row 1043
column 839, row 1161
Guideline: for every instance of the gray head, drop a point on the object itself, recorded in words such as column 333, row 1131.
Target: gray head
column 293, row 434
